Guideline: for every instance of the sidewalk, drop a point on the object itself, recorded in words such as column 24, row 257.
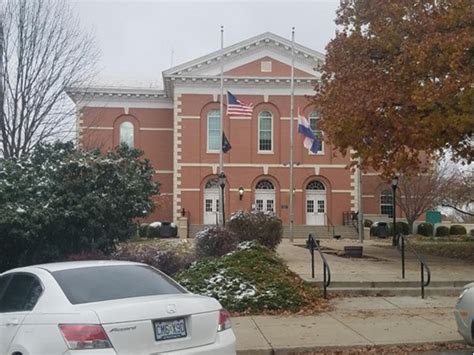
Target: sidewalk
column 384, row 264
column 358, row 321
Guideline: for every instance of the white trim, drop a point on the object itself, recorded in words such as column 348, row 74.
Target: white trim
column 157, row 129
column 371, row 174
column 190, row 189
column 342, row 191
column 190, row 117
column 121, row 102
column 240, row 118
column 242, row 165
column 288, row 190
column 272, row 142
column 165, row 194
column 164, row 171
column 237, row 190
column 368, row 196
column 243, row 89
column 176, row 155
column 264, row 39
column 98, row 128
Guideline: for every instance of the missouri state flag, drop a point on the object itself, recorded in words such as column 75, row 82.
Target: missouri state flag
column 310, row 141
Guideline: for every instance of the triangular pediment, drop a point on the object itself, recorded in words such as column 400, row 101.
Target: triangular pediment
column 244, row 59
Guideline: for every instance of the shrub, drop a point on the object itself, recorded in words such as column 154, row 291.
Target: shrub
column 368, row 223
column 92, row 255
column 374, row 229
column 425, row 229
column 264, row 227
column 215, row 241
column 457, row 230
column 471, row 233
column 402, row 227
column 59, row 200
column 169, row 258
column 442, row 231
column 153, row 230
column 143, row 230
column 251, row 279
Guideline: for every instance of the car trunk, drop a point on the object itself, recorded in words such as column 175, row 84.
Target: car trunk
column 146, row 325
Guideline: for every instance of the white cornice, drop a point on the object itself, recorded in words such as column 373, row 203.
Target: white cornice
column 265, row 39
column 119, row 97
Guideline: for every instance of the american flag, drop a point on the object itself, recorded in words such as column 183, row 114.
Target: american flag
column 235, row 107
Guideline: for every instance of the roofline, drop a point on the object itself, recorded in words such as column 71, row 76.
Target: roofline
column 261, row 37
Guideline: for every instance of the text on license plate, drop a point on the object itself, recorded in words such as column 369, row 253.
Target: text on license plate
column 170, row 329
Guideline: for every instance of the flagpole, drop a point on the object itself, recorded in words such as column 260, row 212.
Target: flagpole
column 221, row 108
column 292, row 109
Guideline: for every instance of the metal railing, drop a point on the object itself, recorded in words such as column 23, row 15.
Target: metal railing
column 313, row 244
column 404, row 240
column 330, row 225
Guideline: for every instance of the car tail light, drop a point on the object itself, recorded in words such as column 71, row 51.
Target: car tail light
column 85, row 336
column 224, row 320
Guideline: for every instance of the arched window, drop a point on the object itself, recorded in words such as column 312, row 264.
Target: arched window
column 264, row 185
column 314, row 124
column 212, row 184
column 126, row 133
column 213, row 130
column 315, row 185
column 386, row 203
column 265, row 131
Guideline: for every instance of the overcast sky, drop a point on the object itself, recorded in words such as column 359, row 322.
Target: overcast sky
column 140, row 39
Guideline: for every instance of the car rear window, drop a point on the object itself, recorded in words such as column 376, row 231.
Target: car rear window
column 103, row 283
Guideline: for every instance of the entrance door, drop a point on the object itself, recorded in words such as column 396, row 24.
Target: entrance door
column 265, row 196
column 211, row 202
column 315, row 204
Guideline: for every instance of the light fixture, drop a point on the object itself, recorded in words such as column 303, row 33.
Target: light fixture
column 241, row 193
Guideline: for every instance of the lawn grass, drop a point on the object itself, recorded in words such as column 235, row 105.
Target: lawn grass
column 252, row 280
column 458, row 247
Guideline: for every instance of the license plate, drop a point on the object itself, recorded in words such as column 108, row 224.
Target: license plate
column 170, row 329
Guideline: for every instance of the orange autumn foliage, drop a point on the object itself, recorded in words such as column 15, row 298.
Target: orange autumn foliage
column 397, row 84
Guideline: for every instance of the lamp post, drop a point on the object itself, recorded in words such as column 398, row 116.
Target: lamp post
column 222, row 180
column 394, row 212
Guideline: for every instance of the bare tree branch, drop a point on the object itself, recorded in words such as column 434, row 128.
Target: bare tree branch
column 43, row 51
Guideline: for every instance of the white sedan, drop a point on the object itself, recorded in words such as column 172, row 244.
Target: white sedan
column 106, row 308
column 464, row 313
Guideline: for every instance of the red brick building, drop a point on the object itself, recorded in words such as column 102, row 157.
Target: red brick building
column 178, row 128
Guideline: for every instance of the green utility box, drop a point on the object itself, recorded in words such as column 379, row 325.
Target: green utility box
column 433, row 217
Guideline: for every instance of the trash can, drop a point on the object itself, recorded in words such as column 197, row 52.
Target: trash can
column 380, row 229
column 168, row 230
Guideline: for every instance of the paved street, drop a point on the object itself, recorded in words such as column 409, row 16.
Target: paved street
column 353, row 322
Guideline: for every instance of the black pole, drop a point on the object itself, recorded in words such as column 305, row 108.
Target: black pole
column 422, row 281
column 403, row 257
column 223, row 204
column 394, row 241
column 324, row 282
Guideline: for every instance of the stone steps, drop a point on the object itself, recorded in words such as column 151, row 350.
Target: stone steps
column 300, row 231
column 392, row 288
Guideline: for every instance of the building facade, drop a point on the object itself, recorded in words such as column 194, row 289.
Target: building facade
column 178, row 129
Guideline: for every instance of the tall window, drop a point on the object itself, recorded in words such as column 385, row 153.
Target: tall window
column 213, row 130
column 126, row 133
column 386, row 203
column 314, row 124
column 265, row 131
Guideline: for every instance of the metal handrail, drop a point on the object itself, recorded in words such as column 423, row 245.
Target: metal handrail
column 330, row 224
column 312, row 244
column 420, row 259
